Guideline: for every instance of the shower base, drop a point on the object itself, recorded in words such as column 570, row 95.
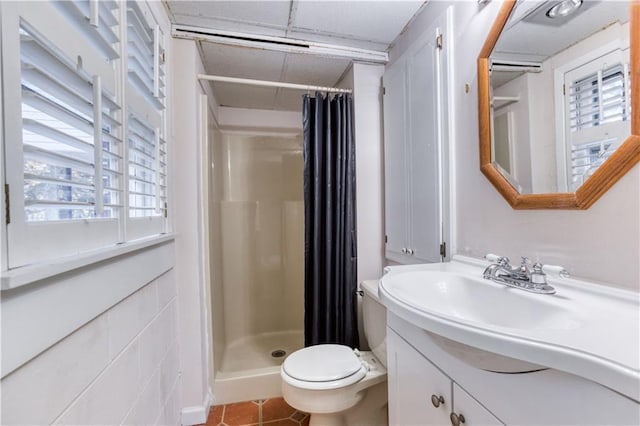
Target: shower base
column 249, row 371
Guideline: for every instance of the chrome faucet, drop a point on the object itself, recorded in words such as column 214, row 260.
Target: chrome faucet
column 532, row 279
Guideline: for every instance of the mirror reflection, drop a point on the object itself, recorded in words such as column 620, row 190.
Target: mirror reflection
column 560, row 94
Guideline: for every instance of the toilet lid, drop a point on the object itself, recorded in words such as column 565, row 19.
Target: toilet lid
column 322, row 363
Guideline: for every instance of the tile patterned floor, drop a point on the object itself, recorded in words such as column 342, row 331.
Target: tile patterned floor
column 269, row 412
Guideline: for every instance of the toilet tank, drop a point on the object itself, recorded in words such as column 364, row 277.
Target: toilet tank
column 375, row 320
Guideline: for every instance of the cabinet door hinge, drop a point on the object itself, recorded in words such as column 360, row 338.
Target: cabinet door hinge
column 564, row 89
column 443, row 249
column 7, row 210
column 384, row 90
column 439, row 41
column 386, row 239
column 166, row 209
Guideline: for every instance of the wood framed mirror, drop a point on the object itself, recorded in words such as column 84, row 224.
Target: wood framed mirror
column 559, row 100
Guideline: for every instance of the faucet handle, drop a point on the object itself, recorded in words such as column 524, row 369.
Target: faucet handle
column 524, row 264
column 555, row 270
column 537, row 274
column 500, row 260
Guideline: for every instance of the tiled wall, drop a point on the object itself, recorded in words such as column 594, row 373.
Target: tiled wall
column 121, row 367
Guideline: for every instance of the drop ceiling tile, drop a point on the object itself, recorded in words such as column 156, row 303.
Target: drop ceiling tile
column 311, row 70
column 242, row 62
column 379, row 21
column 241, row 96
column 307, row 69
column 264, row 13
column 289, row 100
column 360, row 24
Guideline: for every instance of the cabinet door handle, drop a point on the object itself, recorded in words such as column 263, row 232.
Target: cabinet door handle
column 456, row 419
column 410, row 251
column 404, row 249
column 437, row 400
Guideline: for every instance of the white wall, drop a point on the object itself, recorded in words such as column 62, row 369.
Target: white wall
column 244, row 119
column 542, row 138
column 600, row 244
column 521, row 167
column 189, row 216
column 367, row 106
column 366, row 82
column 120, row 367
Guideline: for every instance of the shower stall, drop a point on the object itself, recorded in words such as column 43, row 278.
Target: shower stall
column 256, row 228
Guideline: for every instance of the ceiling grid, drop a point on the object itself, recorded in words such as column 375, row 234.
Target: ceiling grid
column 370, row 25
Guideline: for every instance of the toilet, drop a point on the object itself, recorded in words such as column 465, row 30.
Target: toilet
column 339, row 385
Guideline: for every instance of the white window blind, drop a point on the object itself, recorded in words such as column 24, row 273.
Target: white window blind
column 63, row 132
column 600, row 98
column 72, row 155
column 147, row 155
column 145, row 54
column 599, row 110
column 84, row 126
column 102, row 19
column 147, row 170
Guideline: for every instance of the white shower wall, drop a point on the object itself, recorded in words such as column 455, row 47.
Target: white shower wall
column 262, row 229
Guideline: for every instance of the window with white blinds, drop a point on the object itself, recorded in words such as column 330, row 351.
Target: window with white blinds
column 598, row 114
column 85, row 117
column 147, row 146
column 72, row 152
column 600, row 98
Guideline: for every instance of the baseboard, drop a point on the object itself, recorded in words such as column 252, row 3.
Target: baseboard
column 197, row 414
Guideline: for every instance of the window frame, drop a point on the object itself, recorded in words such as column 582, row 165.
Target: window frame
column 138, row 104
column 603, row 133
column 28, row 242
column 25, row 244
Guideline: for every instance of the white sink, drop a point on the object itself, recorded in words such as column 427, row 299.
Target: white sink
column 479, row 301
column 584, row 329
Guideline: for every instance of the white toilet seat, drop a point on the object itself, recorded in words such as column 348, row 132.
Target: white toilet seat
column 338, row 385
column 323, row 367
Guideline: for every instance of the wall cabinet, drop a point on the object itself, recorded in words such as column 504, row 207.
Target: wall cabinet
column 420, row 394
column 414, row 124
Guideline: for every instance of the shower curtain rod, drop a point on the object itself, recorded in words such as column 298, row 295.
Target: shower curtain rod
column 266, row 83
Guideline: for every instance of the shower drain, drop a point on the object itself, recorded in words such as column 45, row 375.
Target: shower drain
column 278, row 353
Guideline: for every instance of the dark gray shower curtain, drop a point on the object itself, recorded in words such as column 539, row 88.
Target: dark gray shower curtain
column 330, row 221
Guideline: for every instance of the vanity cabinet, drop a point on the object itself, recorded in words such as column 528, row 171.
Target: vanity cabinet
column 420, row 366
column 413, row 380
column 414, row 117
column 470, row 410
column 420, row 394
